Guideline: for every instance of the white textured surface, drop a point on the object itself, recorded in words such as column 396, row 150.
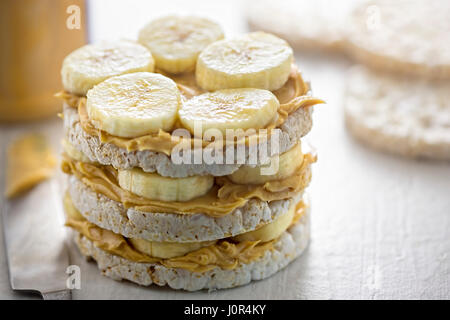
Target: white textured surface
column 380, row 223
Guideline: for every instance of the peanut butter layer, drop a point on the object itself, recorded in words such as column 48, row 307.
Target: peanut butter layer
column 222, row 199
column 291, row 96
column 30, row 160
column 224, row 254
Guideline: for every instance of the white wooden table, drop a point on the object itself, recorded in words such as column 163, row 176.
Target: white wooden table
column 381, row 223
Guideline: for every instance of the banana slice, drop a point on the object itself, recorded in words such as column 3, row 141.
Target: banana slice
column 91, row 64
column 270, row 231
column 229, row 109
column 176, row 41
column 255, row 60
column 288, row 162
column 167, row 250
column 73, row 153
column 134, row 104
column 69, row 208
column 155, row 187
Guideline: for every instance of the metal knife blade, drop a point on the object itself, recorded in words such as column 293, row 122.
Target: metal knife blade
column 36, row 241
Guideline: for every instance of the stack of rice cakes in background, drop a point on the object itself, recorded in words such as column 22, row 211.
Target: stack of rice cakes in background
column 144, row 216
column 401, row 102
column 398, row 100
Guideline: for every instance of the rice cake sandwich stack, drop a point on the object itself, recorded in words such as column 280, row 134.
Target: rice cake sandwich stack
column 141, row 201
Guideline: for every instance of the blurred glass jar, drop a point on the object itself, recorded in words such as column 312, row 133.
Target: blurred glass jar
column 35, row 36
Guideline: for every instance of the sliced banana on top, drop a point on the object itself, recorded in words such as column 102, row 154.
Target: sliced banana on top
column 176, row 41
column 134, row 104
column 270, row 231
column 229, row 109
column 155, row 187
column 167, row 250
column 255, row 60
column 93, row 63
column 288, row 162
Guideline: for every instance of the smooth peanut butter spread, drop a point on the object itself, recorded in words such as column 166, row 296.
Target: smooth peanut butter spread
column 30, row 160
column 222, row 199
column 224, row 254
column 291, row 96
